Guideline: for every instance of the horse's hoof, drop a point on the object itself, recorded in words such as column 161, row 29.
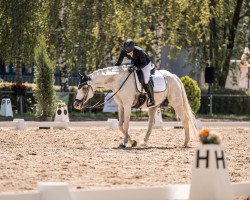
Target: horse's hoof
column 133, row 143
column 143, row 144
column 121, row 146
column 185, row 145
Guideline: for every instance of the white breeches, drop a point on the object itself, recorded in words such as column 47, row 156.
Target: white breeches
column 146, row 71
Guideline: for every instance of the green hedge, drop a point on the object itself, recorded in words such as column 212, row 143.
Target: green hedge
column 193, row 92
column 232, row 104
column 238, row 105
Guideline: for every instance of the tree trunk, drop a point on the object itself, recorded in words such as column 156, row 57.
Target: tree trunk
column 213, row 45
column 19, row 78
column 230, row 37
column 103, row 60
column 62, row 54
column 159, row 33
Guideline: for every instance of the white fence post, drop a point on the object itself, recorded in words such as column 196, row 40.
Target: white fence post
column 20, row 124
column 6, row 108
column 54, row 191
column 158, row 123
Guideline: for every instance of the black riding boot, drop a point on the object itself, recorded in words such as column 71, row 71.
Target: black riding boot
column 149, row 89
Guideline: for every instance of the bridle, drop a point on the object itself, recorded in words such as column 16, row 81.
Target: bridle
column 86, row 93
column 98, row 104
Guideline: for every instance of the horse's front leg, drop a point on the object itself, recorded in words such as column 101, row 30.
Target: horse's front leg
column 121, row 118
column 121, row 121
column 124, row 126
column 151, row 113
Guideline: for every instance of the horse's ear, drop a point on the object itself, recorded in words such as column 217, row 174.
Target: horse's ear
column 83, row 75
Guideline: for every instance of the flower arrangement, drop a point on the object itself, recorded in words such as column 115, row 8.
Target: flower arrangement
column 209, row 137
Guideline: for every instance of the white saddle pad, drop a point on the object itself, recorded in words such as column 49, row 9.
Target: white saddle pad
column 160, row 84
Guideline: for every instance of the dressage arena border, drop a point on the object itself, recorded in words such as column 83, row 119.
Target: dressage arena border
column 133, row 124
column 62, row 191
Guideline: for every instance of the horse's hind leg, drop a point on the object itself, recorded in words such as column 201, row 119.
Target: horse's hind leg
column 180, row 112
column 151, row 113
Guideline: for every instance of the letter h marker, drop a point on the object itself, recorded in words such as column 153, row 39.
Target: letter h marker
column 206, row 158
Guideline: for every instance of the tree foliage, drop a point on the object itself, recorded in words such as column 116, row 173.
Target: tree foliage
column 18, row 32
column 44, row 79
column 92, row 32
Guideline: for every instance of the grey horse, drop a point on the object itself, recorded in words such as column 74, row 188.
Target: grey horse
column 126, row 96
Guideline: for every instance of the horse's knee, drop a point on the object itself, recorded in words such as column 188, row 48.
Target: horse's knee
column 120, row 128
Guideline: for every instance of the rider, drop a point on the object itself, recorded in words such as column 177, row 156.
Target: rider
column 140, row 60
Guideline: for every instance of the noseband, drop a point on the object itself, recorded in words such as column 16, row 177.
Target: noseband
column 86, row 94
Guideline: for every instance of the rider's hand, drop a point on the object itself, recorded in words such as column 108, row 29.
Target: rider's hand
column 131, row 69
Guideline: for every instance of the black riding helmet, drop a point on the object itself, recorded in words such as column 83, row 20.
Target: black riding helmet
column 129, row 46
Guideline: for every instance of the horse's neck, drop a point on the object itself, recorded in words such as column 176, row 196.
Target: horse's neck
column 107, row 81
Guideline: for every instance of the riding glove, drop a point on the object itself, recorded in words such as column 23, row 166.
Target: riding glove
column 131, row 69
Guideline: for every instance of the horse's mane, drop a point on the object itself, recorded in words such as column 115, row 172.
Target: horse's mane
column 114, row 70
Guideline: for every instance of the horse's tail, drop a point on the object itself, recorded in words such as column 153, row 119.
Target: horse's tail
column 192, row 122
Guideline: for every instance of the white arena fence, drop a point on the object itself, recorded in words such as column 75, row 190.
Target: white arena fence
column 133, row 124
column 61, row 191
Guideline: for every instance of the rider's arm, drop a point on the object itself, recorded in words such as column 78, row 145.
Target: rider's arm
column 121, row 57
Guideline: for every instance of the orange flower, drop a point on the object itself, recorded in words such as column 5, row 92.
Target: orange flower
column 204, row 132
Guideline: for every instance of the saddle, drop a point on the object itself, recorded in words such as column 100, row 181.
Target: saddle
column 157, row 80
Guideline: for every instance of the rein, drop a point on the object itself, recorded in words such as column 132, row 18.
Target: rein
column 97, row 104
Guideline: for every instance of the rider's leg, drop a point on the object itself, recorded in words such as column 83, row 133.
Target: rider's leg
column 147, row 85
column 150, row 92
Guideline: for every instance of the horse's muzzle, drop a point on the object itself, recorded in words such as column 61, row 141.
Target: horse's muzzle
column 78, row 104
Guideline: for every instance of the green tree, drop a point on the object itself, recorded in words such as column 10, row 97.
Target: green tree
column 18, row 33
column 193, row 92
column 44, row 79
column 53, row 25
column 220, row 39
column 87, row 34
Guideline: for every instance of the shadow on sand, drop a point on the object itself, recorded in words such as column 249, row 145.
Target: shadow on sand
column 149, row 148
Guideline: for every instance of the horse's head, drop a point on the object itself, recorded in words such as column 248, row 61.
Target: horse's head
column 84, row 92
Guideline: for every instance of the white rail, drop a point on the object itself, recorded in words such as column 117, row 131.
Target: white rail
column 61, row 191
column 32, row 124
